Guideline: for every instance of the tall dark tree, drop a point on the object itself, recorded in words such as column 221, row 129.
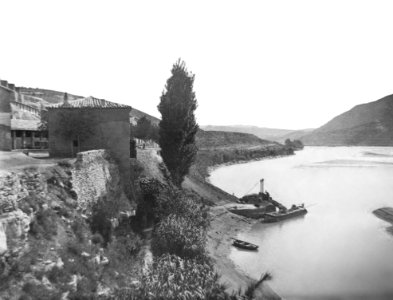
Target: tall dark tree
column 178, row 125
column 143, row 128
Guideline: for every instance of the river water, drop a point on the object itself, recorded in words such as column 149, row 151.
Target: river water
column 339, row 250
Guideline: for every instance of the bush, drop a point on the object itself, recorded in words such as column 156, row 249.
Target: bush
column 56, row 275
column 97, row 239
column 177, row 235
column 44, row 224
column 74, row 263
column 34, row 290
column 78, row 227
column 30, row 203
column 64, row 163
column 175, row 202
column 171, row 277
column 100, row 222
column 127, row 245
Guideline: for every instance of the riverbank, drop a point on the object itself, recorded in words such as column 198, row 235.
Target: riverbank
column 386, row 214
column 224, row 227
column 208, row 158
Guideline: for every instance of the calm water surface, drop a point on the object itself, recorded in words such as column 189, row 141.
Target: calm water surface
column 339, row 248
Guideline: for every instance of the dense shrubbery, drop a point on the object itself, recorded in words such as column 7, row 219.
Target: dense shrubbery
column 181, row 268
column 182, row 226
column 44, row 224
column 295, row 144
column 175, row 202
column 178, row 235
column 145, row 130
column 171, row 277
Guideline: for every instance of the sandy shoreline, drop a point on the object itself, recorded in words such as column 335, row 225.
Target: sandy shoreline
column 224, row 226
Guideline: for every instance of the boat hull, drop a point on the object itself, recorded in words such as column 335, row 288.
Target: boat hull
column 244, row 245
column 277, row 217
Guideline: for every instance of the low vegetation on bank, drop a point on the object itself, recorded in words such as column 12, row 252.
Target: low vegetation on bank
column 219, row 147
column 207, row 158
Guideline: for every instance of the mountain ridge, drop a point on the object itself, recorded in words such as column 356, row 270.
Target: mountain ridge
column 366, row 124
column 265, row 133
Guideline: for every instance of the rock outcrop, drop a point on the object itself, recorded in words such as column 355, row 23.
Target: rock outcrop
column 46, row 229
column 93, row 177
column 14, row 228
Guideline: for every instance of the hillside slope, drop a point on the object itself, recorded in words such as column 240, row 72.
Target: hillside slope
column 37, row 97
column 295, row 135
column 261, row 132
column 222, row 139
column 369, row 124
column 218, row 147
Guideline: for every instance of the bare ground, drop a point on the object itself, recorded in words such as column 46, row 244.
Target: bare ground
column 10, row 160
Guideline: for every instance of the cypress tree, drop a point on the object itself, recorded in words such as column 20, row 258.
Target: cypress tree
column 178, row 125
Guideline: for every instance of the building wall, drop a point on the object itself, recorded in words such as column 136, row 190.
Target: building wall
column 6, row 96
column 111, row 131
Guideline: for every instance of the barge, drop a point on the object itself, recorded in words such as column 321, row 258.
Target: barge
column 285, row 214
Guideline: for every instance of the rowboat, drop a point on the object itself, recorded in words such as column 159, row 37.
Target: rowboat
column 244, row 245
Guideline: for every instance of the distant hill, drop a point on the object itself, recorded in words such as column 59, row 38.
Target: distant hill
column 295, row 135
column 261, row 132
column 369, row 124
column 48, row 96
column 222, row 139
column 136, row 114
column 37, row 97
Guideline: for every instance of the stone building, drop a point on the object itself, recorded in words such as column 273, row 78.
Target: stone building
column 89, row 124
column 19, row 122
column 6, row 96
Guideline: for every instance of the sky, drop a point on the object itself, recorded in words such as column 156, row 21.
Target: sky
column 279, row 64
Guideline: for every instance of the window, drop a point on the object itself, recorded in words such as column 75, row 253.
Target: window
column 28, row 133
column 18, row 133
column 75, row 143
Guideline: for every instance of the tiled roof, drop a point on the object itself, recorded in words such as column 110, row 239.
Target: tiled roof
column 89, row 102
column 21, row 107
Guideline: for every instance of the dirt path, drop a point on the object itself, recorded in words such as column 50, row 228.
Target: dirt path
column 18, row 160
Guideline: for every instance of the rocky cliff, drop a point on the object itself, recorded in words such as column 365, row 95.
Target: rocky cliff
column 46, row 218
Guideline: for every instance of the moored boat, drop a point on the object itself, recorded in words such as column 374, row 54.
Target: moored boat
column 244, row 245
column 281, row 215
